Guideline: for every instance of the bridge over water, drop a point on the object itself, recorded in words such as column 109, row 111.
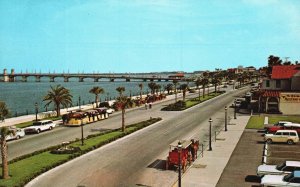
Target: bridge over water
column 13, row 77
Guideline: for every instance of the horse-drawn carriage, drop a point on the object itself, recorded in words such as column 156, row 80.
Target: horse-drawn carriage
column 187, row 152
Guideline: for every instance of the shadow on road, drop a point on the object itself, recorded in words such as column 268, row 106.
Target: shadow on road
column 158, row 164
column 252, row 178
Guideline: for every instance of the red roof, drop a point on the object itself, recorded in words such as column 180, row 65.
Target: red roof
column 284, row 72
column 269, row 93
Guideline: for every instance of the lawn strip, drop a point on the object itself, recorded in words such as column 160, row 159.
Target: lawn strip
column 180, row 105
column 255, row 122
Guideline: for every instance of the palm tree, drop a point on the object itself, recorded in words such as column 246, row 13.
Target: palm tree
column 198, row 83
column 4, row 112
column 184, row 88
column 121, row 90
column 96, row 90
column 169, row 87
column 4, row 132
column 175, row 82
column 141, row 89
column 152, row 86
column 204, row 82
column 122, row 103
column 58, row 95
column 157, row 88
column 215, row 81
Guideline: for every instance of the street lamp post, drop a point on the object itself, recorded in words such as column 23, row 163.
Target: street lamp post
column 210, row 121
column 79, row 100
column 81, row 132
column 36, row 111
column 225, row 118
column 235, row 109
column 179, row 146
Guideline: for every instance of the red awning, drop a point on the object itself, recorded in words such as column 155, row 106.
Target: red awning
column 271, row 94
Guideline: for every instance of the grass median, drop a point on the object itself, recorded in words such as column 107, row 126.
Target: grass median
column 27, row 167
column 256, row 122
column 180, row 105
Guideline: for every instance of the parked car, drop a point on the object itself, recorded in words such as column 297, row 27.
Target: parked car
column 279, row 123
column 110, row 110
column 283, row 126
column 18, row 133
column 237, row 103
column 288, row 136
column 292, row 179
column 284, row 168
column 39, row 126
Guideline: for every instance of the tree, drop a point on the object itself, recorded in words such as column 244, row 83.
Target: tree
column 273, row 61
column 141, row 90
column 157, row 88
column 198, row 83
column 184, row 88
column 175, row 82
column 4, row 112
column 169, row 87
column 4, row 132
column 204, row 83
column 58, row 95
column 122, row 103
column 120, row 90
column 216, row 81
column 96, row 90
column 152, row 86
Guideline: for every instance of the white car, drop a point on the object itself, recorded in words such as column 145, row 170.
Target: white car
column 18, row 133
column 39, row 126
column 292, row 179
column 110, row 110
column 284, row 168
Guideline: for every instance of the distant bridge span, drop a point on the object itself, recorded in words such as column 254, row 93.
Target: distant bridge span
column 12, row 77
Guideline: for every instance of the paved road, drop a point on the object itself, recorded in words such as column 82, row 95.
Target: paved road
column 139, row 158
column 34, row 142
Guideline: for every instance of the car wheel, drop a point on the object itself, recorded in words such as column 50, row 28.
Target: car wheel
column 50, row 128
column 18, row 137
column 38, row 131
column 290, row 142
column 269, row 141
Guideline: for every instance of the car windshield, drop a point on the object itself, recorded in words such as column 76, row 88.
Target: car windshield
column 36, row 123
column 280, row 167
column 287, row 178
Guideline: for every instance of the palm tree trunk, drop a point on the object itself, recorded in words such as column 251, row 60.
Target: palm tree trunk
column 199, row 94
column 183, row 95
column 215, row 88
column 203, row 90
column 57, row 110
column 4, row 158
column 96, row 100
column 123, row 119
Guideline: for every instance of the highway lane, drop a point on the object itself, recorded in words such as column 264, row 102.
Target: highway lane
column 34, row 142
column 127, row 162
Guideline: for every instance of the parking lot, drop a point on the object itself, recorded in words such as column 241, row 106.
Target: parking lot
column 248, row 155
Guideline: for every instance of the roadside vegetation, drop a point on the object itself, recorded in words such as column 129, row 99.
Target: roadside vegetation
column 182, row 105
column 256, row 122
column 27, row 167
column 275, row 119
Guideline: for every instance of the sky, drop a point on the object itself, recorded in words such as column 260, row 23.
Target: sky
column 114, row 36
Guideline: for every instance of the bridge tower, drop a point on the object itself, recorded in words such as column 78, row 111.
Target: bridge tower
column 5, row 76
column 12, row 75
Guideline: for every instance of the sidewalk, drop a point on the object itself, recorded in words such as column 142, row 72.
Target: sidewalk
column 207, row 170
